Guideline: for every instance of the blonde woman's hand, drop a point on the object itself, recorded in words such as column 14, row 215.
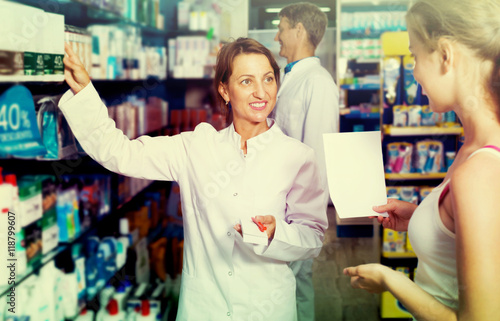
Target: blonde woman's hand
column 399, row 212
column 369, row 277
column 75, row 74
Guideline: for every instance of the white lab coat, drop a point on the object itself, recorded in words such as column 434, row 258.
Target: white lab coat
column 223, row 278
column 306, row 108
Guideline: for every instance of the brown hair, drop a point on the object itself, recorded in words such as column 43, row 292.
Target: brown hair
column 312, row 18
column 225, row 59
column 472, row 23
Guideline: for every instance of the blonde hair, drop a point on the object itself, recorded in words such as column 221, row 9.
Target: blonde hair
column 312, row 18
column 473, row 23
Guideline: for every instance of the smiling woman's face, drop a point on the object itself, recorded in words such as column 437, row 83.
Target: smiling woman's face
column 251, row 89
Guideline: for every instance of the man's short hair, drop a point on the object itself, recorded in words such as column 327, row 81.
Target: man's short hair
column 312, row 18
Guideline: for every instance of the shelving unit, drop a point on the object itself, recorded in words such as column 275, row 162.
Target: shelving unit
column 83, row 14
column 359, row 27
column 404, row 255
column 421, row 131
column 358, row 74
column 413, row 176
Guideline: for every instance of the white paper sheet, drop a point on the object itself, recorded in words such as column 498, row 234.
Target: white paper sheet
column 251, row 232
column 355, row 172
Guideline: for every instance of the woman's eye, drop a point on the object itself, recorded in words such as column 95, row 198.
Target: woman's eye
column 269, row 79
column 246, row 82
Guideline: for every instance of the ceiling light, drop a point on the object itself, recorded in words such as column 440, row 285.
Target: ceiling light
column 273, row 10
column 277, row 10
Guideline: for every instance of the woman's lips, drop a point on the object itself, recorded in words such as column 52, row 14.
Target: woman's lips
column 258, row 106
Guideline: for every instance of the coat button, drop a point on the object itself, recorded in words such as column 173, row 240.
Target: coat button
column 235, row 194
column 229, row 314
column 228, row 233
column 229, row 273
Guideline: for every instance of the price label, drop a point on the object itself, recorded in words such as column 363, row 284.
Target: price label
column 19, row 134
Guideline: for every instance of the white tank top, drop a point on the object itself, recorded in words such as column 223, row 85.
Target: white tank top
column 434, row 245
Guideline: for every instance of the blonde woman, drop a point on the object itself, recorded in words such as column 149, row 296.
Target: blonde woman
column 454, row 231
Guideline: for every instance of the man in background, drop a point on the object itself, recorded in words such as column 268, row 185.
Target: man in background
column 307, row 107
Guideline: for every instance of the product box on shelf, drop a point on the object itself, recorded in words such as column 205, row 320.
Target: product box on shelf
column 20, row 137
column 92, row 194
column 57, row 136
column 138, row 116
column 424, row 191
column 191, row 57
column 34, row 49
column 68, row 218
column 393, row 241
column 392, row 81
column 33, row 242
column 50, row 230
column 80, row 41
column 410, row 84
column 30, row 200
column 11, row 52
column 53, row 53
column 404, row 193
column 119, row 53
column 399, row 157
column 187, row 119
column 31, row 213
column 429, row 156
column 156, row 114
column 139, row 219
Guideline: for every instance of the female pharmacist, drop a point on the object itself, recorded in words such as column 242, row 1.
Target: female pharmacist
column 454, row 231
column 248, row 169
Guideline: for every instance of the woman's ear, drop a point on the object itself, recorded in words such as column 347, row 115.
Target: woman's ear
column 223, row 91
column 446, row 50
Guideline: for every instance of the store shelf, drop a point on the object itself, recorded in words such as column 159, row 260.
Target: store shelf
column 421, row 131
column 361, row 87
column 38, row 79
column 399, row 255
column 358, row 115
column 374, row 2
column 64, row 246
column 81, row 14
column 413, row 176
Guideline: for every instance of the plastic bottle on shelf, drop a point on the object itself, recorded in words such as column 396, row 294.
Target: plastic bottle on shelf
column 6, row 192
column 121, row 297
column 110, row 312
column 124, row 229
column 145, row 313
column 113, row 312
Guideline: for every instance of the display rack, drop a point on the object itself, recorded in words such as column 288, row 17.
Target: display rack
column 358, row 54
column 82, row 14
column 359, row 27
